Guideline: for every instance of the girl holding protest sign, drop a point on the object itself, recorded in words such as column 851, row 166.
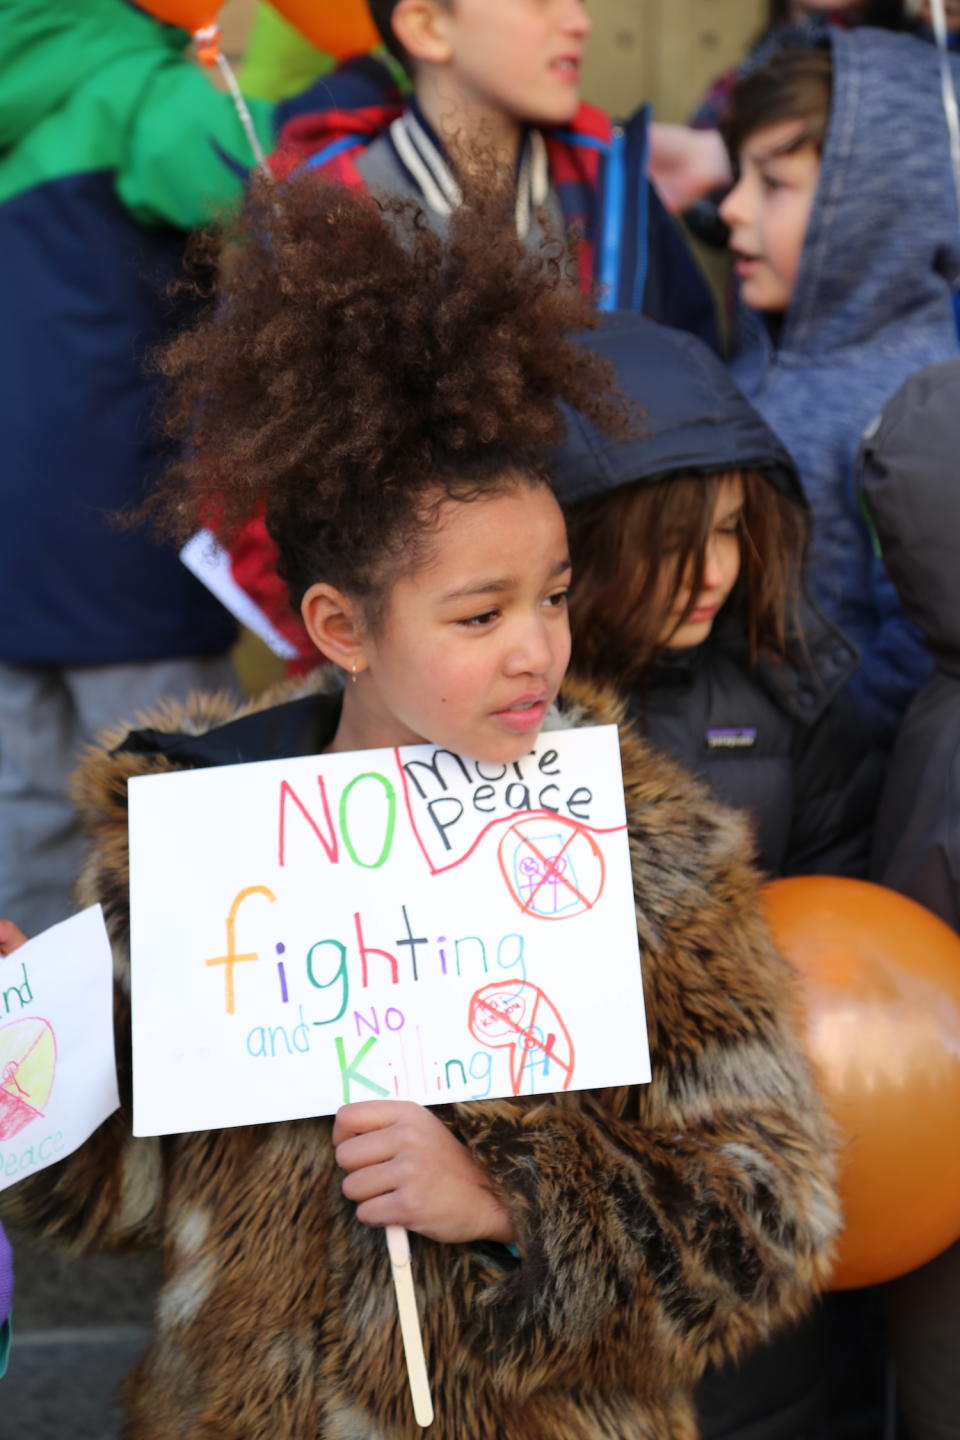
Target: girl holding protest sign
column 389, row 398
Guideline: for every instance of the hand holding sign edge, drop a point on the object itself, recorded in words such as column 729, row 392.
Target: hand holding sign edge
column 11, row 937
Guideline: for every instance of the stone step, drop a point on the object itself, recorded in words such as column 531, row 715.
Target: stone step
column 64, row 1384
column 79, row 1326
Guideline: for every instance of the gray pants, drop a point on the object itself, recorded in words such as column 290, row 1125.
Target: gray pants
column 47, row 714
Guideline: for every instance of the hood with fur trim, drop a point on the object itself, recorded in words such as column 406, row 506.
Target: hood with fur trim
column 659, row 1226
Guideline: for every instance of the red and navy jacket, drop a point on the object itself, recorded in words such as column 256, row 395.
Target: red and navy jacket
column 630, row 251
column 630, row 248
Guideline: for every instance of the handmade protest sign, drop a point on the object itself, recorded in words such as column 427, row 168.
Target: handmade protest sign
column 313, row 931
column 58, row 1075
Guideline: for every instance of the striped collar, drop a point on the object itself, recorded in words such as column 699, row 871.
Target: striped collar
column 419, row 150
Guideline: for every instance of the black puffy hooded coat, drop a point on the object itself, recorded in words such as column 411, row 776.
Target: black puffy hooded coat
column 781, row 740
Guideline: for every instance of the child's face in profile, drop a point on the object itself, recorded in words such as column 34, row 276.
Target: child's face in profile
column 519, row 57
column 721, row 569
column 767, row 212
column 474, row 643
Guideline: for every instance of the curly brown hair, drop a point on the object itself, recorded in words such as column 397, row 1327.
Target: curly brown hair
column 359, row 369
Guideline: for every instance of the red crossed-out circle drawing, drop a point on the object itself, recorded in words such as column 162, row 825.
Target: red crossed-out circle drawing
column 28, row 1064
column 552, row 866
column 519, row 1017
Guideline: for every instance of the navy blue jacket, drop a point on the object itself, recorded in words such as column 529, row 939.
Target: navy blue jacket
column 631, row 251
column 113, row 145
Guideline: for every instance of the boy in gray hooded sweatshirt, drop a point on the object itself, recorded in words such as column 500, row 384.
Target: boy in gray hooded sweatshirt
column 845, row 229
column 911, row 483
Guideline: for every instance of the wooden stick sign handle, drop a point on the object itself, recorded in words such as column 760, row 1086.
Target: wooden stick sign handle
column 398, row 1246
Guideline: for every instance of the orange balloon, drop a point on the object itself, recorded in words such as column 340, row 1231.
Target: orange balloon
column 190, row 15
column 880, row 979
column 338, row 27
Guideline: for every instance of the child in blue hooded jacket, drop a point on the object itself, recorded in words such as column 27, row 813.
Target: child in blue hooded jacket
column 846, row 240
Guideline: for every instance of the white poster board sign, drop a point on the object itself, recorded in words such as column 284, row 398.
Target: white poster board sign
column 58, row 1074
column 313, row 931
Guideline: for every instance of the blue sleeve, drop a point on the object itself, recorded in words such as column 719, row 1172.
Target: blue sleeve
column 6, row 1335
column 654, row 270
column 676, row 292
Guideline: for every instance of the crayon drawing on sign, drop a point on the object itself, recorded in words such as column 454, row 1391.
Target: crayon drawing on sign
column 58, row 1078
column 28, row 1064
column 540, row 859
column 321, row 929
column 518, row 1018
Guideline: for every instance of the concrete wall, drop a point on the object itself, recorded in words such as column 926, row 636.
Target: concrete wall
column 664, row 51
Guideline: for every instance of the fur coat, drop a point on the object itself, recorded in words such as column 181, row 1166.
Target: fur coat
column 660, row 1226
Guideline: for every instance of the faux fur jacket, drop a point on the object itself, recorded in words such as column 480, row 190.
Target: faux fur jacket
column 661, row 1226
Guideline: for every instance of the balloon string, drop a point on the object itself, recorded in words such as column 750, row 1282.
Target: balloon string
column 948, row 90
column 246, row 120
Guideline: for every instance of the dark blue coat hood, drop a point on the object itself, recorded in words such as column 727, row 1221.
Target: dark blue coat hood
column 695, row 418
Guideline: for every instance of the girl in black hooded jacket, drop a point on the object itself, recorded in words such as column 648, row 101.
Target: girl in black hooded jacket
column 687, row 545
